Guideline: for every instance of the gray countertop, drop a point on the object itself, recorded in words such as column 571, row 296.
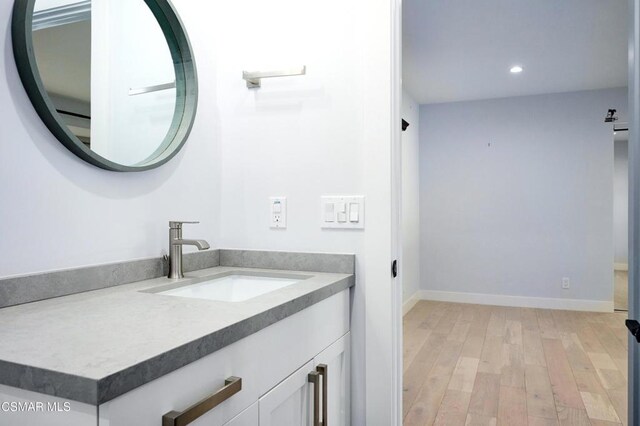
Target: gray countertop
column 92, row 347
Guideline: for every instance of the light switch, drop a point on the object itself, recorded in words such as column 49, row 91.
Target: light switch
column 329, row 212
column 354, row 212
column 342, row 212
column 278, row 212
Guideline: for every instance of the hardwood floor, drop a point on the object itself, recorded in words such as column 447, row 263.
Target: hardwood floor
column 489, row 365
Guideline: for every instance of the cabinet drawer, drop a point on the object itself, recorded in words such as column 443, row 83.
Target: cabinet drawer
column 262, row 360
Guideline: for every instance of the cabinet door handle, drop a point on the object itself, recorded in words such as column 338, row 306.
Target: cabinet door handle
column 232, row 386
column 314, row 377
column 323, row 370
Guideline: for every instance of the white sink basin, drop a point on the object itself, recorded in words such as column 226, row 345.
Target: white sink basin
column 232, row 288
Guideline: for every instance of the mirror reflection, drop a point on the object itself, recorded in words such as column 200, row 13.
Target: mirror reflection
column 108, row 70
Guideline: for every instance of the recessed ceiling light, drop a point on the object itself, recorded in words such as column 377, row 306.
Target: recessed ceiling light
column 516, row 69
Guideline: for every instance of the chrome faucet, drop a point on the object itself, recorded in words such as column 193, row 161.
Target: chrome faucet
column 175, row 248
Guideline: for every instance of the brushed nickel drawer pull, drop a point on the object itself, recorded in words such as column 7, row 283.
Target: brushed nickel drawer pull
column 314, row 377
column 323, row 370
column 232, row 386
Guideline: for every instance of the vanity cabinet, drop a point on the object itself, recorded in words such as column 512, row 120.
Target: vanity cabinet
column 248, row 417
column 292, row 402
column 273, row 363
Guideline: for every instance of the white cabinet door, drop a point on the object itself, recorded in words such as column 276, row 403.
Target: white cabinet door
column 289, row 403
column 337, row 359
column 248, row 417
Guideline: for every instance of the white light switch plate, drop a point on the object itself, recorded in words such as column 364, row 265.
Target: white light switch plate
column 278, row 212
column 342, row 212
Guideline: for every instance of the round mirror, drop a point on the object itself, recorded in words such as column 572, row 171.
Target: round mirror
column 114, row 80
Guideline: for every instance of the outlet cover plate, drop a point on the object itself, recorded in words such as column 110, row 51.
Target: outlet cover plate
column 278, row 212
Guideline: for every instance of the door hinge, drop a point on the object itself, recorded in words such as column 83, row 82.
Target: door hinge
column 634, row 328
column 394, row 268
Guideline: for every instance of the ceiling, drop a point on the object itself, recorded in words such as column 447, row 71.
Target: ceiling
column 457, row 50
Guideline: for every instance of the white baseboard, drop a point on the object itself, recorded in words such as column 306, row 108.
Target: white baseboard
column 516, row 301
column 410, row 303
column 621, row 266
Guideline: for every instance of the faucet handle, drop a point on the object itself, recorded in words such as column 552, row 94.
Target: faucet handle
column 177, row 224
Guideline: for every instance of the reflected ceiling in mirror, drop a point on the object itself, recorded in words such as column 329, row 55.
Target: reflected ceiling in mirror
column 114, row 80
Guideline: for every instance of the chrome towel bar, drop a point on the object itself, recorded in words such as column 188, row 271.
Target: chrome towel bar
column 254, row 78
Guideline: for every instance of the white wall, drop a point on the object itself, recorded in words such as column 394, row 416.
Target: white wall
column 517, row 193
column 301, row 137
column 621, row 199
column 410, row 197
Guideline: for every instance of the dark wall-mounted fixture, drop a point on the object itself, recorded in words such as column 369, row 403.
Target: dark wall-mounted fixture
column 611, row 116
column 404, row 125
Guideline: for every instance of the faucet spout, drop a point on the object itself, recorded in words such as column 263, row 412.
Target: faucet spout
column 175, row 248
column 200, row 244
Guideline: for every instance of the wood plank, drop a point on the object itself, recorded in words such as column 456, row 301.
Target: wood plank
column 533, row 352
column 435, row 315
column 473, row 346
column 576, row 354
column 619, row 400
column 492, row 357
column 485, row 395
column 480, row 420
column 413, row 340
column 563, row 385
column 538, row 421
column 540, row 399
column 464, row 375
column 417, row 373
column 589, row 382
column 603, row 423
column 497, row 323
column 512, row 313
column 599, row 407
column 460, row 331
column 512, row 406
column 529, row 319
column 568, row 416
column 623, row 366
column 602, row 361
column 513, row 332
column 448, row 320
column 610, row 342
column 590, row 341
column 453, row 410
column 512, row 373
column 612, row 379
column 547, row 324
column 426, row 405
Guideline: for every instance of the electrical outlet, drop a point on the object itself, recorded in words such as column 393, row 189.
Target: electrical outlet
column 278, row 212
column 566, row 283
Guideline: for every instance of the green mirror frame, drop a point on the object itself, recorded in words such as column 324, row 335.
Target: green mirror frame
column 186, row 86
